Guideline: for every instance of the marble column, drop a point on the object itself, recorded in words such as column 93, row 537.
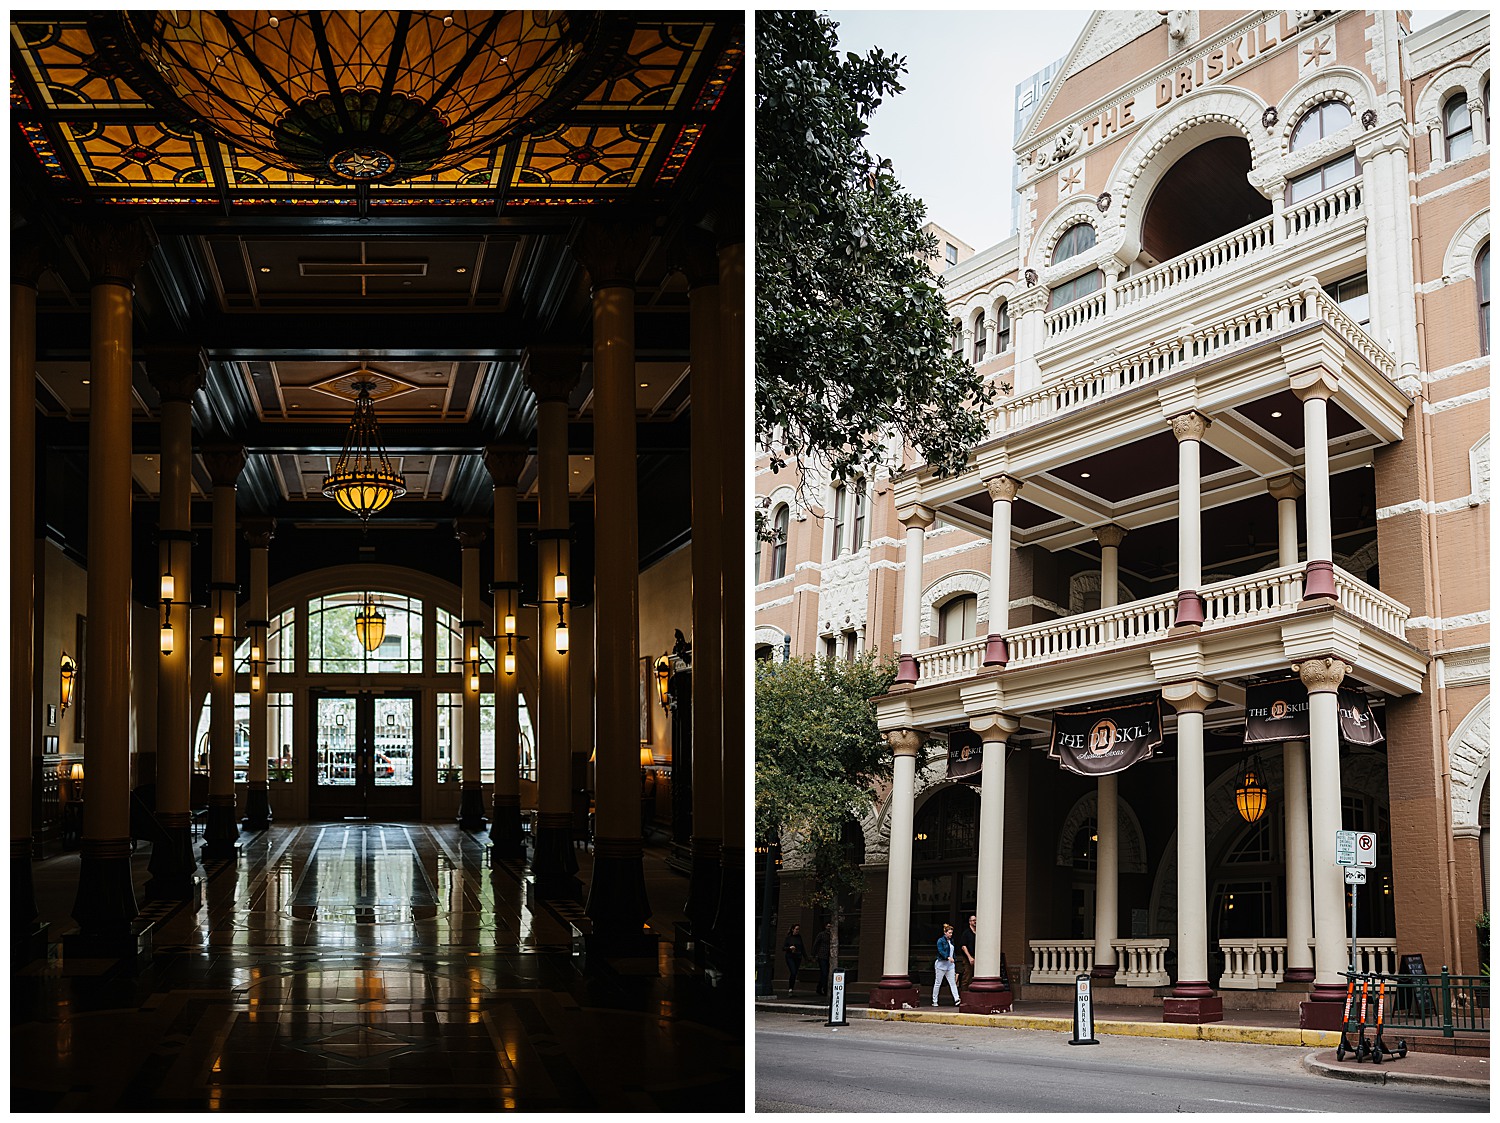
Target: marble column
column 710, row 460
column 28, row 262
column 896, row 991
column 1192, row 999
column 177, row 373
column 505, row 463
column 1315, row 384
column 105, row 906
column 729, row 915
column 1002, row 491
column 1297, row 844
column 617, row 902
column 1322, row 678
column 552, row 374
column 470, row 535
column 989, row 991
column 1107, row 812
column 258, row 814
column 915, row 519
column 1189, row 428
column 1027, row 310
column 221, row 831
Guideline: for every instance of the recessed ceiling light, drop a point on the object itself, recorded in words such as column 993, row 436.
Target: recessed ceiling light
column 586, row 458
column 296, row 405
column 644, row 385
column 1083, row 475
column 150, row 458
column 462, row 269
column 1275, row 413
column 265, row 268
column 432, row 407
column 85, row 381
column 408, row 283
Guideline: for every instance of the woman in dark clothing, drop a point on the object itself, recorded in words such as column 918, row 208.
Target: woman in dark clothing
column 795, row 954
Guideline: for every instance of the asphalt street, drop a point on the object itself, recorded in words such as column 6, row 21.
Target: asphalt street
column 802, row 1065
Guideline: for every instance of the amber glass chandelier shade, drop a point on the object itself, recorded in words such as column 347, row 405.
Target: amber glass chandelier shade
column 365, row 96
column 1251, row 796
column 369, row 625
column 364, row 480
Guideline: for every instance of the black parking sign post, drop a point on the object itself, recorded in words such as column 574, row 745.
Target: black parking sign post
column 1083, row 1013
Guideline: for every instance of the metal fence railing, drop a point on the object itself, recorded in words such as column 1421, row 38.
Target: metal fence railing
column 1442, row 1003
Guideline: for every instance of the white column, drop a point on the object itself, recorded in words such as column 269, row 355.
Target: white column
column 1107, row 861
column 916, row 519
column 1002, row 495
column 1476, row 119
column 1189, row 428
column 990, row 990
column 1027, row 310
column 1314, row 385
column 1109, row 539
column 1190, row 699
column 1322, row 678
column 895, row 988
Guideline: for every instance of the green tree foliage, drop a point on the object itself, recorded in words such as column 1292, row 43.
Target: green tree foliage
column 818, row 754
column 853, row 340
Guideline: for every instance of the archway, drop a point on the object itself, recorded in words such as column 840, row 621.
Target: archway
column 1203, row 196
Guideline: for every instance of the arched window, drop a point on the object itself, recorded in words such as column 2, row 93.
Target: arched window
column 857, row 539
column 765, row 653
column 334, row 647
column 1318, row 122
column 840, row 495
column 979, row 340
column 1482, row 283
column 957, row 619
column 758, row 540
column 779, row 526
column 1075, row 240
column 958, row 339
column 1458, row 127
column 1002, row 328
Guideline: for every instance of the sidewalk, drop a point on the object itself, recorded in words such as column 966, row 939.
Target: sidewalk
column 1253, row 1027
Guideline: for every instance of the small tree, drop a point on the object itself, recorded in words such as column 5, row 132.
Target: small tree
column 818, row 756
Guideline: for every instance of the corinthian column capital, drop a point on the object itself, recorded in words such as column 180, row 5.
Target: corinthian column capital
column 1190, row 426
column 906, row 742
column 1109, row 535
column 1322, row 676
column 916, row 516
column 505, row 463
column 114, row 251
column 1002, row 488
column 551, row 372
column 224, row 464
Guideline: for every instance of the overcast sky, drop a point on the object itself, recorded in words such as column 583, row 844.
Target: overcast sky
column 949, row 133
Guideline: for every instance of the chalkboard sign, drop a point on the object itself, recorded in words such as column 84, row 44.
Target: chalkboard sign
column 1417, row 996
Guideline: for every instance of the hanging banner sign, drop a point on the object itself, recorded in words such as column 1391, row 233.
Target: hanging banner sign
column 1277, row 711
column 1108, row 737
column 964, row 760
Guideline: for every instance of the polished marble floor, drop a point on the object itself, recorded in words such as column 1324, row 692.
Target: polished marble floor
column 341, row 967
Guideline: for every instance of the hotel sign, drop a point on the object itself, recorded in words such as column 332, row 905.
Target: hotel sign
column 1108, row 737
column 1277, row 711
column 965, row 762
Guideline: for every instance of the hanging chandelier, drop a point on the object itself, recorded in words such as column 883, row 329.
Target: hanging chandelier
column 363, row 480
column 369, row 623
column 359, row 97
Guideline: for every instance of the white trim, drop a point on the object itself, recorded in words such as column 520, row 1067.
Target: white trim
column 1469, row 620
column 774, row 603
column 1469, row 765
column 1463, row 247
column 1446, row 507
column 1457, row 402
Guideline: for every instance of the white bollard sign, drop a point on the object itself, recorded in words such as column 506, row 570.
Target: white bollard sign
column 1083, row 1012
column 836, row 1015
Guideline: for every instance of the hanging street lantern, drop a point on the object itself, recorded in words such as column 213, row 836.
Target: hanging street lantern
column 369, row 623
column 1250, row 794
column 364, row 480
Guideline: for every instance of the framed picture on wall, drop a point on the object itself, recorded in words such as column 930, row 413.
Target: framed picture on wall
column 80, row 680
column 645, row 700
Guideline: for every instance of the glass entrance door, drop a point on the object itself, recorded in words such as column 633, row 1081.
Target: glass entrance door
column 365, row 756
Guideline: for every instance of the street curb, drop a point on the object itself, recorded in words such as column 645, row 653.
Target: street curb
column 1378, row 1074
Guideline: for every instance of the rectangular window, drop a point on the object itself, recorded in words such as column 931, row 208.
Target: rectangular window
column 1076, row 289
column 1002, row 330
column 952, row 253
column 858, row 540
column 830, row 647
column 1353, row 296
column 979, row 341
column 838, row 520
column 851, row 645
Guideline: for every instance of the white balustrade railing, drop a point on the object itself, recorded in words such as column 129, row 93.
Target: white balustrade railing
column 1370, row 605
column 1324, row 210
column 1196, row 264
column 1074, row 314
column 1377, row 954
column 1257, row 963
column 1060, row 961
column 1141, row 962
column 1328, row 310
column 1240, row 600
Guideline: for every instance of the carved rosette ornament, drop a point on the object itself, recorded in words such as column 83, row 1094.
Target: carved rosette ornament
column 1104, row 200
column 1321, row 676
column 1190, row 426
column 1270, row 117
column 1003, row 488
column 505, row 464
column 1368, row 119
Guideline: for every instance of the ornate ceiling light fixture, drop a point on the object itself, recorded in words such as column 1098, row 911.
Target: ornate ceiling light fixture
column 369, row 623
column 364, row 480
column 361, row 97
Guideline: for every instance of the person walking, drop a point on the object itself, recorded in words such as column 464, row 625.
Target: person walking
column 795, row 954
column 822, row 945
column 966, row 954
column 943, row 965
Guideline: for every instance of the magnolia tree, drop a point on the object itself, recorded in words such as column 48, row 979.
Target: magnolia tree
column 818, row 758
column 853, row 342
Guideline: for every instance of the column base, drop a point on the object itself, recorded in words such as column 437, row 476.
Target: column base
column 1105, row 971
column 727, row 937
column 1324, row 1008
column 996, row 653
column 471, row 807
column 25, row 921
column 221, row 831
column 703, row 885
column 617, row 901
column 894, row 992
column 986, row 996
column 505, row 831
column 906, row 670
column 1192, row 1008
column 131, row 947
column 174, row 872
column 105, row 906
column 257, row 806
column 1298, row 975
column 1318, row 584
column 1189, row 609
column 554, row 865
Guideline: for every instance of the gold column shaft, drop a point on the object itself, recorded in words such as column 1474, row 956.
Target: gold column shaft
column 174, row 719
column 470, row 752
column 554, row 749
column 735, row 534
column 222, row 601
column 22, row 556
column 507, row 687
column 710, row 460
column 260, row 605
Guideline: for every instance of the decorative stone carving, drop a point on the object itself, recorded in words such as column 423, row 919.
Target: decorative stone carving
column 1003, row 488
column 1285, row 487
column 177, row 371
column 1368, row 119
column 916, row 516
column 844, row 592
column 1105, row 198
column 114, row 251
column 470, row 533
column 1479, row 470
column 30, row 257
column 1132, row 840
column 259, row 532
column 1030, row 276
column 1179, row 23
column 611, row 249
column 1067, row 142
column 1469, row 764
column 551, row 372
column 224, row 464
column 1108, row 32
column 1190, row 426
column 505, row 463
column 1321, row 676
column 945, row 589
column 1109, row 535
column 1269, row 117
column 905, row 742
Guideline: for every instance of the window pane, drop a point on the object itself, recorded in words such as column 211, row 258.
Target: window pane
column 1306, row 186
column 334, row 643
column 1338, row 171
column 1074, row 242
column 1078, row 287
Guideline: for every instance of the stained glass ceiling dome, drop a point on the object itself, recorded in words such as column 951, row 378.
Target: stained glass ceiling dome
column 364, row 96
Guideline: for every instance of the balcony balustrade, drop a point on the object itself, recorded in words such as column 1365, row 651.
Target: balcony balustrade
column 1256, row 963
column 1140, row 962
column 1263, row 596
column 1195, row 265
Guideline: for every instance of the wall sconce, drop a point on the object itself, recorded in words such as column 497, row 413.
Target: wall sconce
column 506, row 617
column 471, row 652
column 559, row 588
column 257, row 654
column 169, row 587
column 68, row 671
column 1250, row 794
column 221, row 633
column 663, row 669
